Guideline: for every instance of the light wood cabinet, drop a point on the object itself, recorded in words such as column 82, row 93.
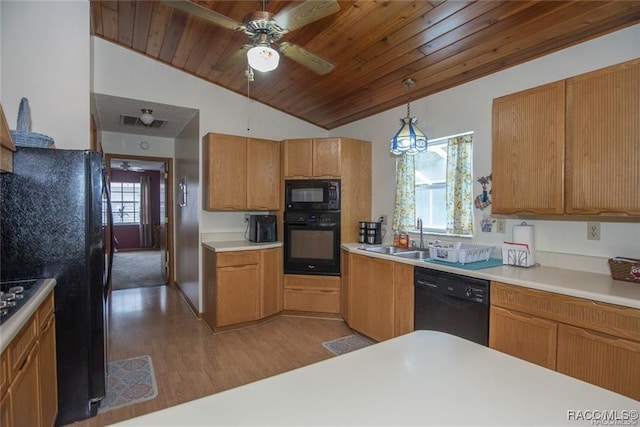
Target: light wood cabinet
column 524, row 336
column 237, row 287
column 345, row 294
column 569, row 147
column 595, row 342
column 605, row 360
column 25, row 390
column 380, row 297
column 5, row 411
column 240, row 173
column 315, row 294
column 48, row 365
column 241, row 286
column 7, row 147
column 603, row 141
column 28, row 365
column 312, row 158
column 270, row 282
column 403, row 298
column 528, row 151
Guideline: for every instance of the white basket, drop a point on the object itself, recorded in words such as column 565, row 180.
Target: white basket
column 463, row 253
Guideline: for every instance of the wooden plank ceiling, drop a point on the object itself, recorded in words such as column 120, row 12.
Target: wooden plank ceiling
column 374, row 46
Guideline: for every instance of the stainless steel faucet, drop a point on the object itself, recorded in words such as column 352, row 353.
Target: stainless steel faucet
column 421, row 233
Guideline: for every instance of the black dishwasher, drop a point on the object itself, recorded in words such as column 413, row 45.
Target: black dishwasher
column 451, row 303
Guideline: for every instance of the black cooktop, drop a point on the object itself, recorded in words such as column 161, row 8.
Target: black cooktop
column 15, row 294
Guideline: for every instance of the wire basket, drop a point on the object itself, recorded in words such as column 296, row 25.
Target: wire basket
column 458, row 252
column 627, row 269
column 22, row 136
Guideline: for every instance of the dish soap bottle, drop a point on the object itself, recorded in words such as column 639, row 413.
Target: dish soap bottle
column 396, row 238
column 403, row 240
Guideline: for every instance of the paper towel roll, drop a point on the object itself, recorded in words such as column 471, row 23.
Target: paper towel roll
column 524, row 234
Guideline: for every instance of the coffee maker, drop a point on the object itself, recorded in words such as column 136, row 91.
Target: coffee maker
column 370, row 232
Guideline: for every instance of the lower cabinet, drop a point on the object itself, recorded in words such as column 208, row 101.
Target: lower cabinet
column 241, row 286
column 29, row 372
column 605, row 360
column 316, row 294
column 595, row 342
column 380, row 297
column 25, row 392
column 527, row 337
column 270, row 282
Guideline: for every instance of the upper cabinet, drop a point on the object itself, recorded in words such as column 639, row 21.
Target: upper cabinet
column 570, row 147
column 307, row 158
column 603, row 141
column 6, row 145
column 528, row 151
column 241, row 173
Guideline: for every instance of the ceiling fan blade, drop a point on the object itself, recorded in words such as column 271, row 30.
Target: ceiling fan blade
column 306, row 13
column 304, row 57
column 232, row 59
column 204, row 13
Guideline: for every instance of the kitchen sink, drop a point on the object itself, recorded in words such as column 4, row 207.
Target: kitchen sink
column 413, row 254
column 389, row 250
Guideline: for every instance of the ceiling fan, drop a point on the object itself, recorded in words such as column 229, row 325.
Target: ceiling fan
column 126, row 166
column 265, row 29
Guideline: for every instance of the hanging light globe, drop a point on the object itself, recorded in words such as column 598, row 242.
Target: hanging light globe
column 263, row 58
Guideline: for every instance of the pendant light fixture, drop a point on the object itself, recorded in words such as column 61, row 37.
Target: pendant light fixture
column 409, row 139
column 146, row 116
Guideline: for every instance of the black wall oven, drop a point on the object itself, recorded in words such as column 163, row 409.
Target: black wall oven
column 312, row 243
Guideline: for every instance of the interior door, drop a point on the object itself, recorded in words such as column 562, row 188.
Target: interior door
column 164, row 255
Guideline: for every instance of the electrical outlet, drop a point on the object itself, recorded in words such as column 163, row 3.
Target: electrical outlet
column 382, row 219
column 501, row 226
column 246, row 217
column 593, row 231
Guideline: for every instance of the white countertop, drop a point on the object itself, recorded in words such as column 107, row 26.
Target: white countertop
column 240, row 245
column 422, row 378
column 594, row 286
column 12, row 326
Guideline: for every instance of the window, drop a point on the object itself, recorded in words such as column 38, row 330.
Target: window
column 436, row 186
column 431, row 186
column 125, row 202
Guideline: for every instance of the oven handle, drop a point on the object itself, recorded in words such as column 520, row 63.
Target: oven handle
column 314, row 225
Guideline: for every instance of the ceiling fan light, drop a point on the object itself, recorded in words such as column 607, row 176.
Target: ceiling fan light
column 409, row 139
column 146, row 116
column 263, row 58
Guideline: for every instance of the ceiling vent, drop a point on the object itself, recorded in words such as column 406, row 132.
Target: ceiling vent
column 135, row 121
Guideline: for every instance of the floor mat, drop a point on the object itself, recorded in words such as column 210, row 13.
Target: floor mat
column 129, row 381
column 346, row 344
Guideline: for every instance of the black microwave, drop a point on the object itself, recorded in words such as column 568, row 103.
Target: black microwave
column 312, row 194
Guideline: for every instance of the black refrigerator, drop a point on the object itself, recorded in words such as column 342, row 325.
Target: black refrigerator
column 53, row 225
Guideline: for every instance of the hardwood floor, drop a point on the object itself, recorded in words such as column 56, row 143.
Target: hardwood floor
column 190, row 362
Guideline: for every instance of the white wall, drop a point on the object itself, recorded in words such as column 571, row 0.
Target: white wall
column 129, row 144
column 46, row 58
column 468, row 108
column 186, row 222
column 121, row 72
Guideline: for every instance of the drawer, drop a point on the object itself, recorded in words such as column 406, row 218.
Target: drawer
column 226, row 259
column 4, row 372
column 21, row 345
column 318, row 283
column 312, row 300
column 45, row 311
column 608, row 318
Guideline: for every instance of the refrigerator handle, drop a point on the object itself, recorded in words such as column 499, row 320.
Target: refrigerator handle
column 107, row 193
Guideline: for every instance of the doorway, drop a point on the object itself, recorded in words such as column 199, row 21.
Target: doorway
column 143, row 218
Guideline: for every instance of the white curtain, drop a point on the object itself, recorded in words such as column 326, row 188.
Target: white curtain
column 146, row 229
